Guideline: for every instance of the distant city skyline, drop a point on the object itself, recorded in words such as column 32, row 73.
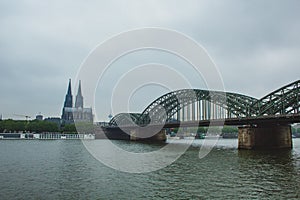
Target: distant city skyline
column 255, row 45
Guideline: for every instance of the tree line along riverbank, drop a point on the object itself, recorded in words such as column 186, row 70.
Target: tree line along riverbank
column 37, row 126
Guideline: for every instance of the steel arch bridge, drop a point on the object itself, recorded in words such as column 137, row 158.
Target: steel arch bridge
column 197, row 104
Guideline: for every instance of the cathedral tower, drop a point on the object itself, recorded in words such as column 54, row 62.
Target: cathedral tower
column 79, row 97
column 67, row 115
column 77, row 113
column 69, row 98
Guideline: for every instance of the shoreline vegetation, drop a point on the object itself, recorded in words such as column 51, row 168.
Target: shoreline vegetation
column 35, row 126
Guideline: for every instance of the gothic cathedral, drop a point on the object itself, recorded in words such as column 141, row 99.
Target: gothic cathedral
column 78, row 113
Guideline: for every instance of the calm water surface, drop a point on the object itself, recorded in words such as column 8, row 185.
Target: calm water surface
column 63, row 169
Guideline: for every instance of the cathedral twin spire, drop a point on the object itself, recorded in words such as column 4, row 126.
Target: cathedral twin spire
column 77, row 113
column 69, row 98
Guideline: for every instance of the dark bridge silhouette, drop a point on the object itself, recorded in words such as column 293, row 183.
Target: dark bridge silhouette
column 268, row 119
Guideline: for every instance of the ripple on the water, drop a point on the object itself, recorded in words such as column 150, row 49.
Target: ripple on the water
column 65, row 170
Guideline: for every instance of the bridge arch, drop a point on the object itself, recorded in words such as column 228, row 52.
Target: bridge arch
column 171, row 103
column 284, row 100
column 164, row 108
column 123, row 119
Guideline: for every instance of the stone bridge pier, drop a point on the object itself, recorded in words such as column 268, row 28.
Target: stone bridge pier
column 146, row 134
column 265, row 136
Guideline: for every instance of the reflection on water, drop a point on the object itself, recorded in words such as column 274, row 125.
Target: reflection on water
column 65, row 170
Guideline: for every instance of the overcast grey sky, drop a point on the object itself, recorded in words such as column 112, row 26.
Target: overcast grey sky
column 255, row 44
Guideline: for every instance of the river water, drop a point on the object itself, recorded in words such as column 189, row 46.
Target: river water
column 63, row 169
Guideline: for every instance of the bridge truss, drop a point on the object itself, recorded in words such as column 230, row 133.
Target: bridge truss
column 197, row 104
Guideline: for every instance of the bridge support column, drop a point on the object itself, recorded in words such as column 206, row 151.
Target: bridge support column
column 271, row 136
column 141, row 135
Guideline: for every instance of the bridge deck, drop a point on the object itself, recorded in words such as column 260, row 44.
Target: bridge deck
column 274, row 119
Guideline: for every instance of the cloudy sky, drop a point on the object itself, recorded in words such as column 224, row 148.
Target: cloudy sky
column 255, row 44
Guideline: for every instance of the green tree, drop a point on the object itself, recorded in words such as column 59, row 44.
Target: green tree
column 69, row 128
column 215, row 129
column 175, row 130
column 1, row 126
column 31, row 126
column 19, row 125
column 229, row 129
column 50, row 127
column 41, row 126
column 8, row 125
column 201, row 130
